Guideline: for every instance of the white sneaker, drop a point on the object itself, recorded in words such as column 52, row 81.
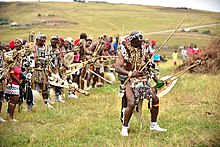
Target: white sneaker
column 50, row 102
column 71, row 95
column 2, row 120
column 59, row 99
column 99, row 84
column 157, row 128
column 12, row 120
column 124, row 131
column 48, row 105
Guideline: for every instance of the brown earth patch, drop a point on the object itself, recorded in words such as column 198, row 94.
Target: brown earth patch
column 210, row 60
column 25, row 3
column 49, row 23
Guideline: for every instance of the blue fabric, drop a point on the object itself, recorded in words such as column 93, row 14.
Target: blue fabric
column 156, row 57
column 115, row 46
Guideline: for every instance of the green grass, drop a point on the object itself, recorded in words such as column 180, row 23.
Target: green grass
column 190, row 112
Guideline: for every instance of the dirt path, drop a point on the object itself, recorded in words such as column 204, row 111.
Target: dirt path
column 189, row 28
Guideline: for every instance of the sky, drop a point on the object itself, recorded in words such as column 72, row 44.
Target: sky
column 209, row 5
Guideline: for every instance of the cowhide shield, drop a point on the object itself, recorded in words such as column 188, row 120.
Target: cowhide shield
column 56, row 81
column 169, row 82
column 68, row 58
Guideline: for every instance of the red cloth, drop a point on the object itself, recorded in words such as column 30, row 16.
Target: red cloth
column 76, row 42
column 61, row 39
column 12, row 44
column 195, row 51
column 153, row 42
column 200, row 52
column 108, row 44
column 126, row 40
column 189, row 51
column 76, row 57
column 17, row 72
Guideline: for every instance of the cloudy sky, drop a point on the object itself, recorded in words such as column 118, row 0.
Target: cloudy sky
column 209, row 5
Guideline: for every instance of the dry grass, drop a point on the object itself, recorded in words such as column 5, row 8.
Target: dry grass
column 190, row 112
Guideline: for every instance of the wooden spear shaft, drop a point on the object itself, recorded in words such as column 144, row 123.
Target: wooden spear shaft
column 165, row 41
column 158, row 49
column 197, row 62
column 100, row 76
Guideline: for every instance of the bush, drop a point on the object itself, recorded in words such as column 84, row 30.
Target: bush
column 208, row 32
column 196, row 31
column 4, row 21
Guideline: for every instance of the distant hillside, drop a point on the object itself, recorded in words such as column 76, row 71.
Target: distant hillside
column 70, row 19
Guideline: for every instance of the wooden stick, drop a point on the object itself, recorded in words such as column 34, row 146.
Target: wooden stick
column 162, row 45
column 100, row 76
column 158, row 49
column 197, row 62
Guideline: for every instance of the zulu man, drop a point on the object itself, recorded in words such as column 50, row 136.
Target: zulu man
column 99, row 48
column 80, row 43
column 41, row 68
column 137, row 86
column 55, row 63
column 66, row 51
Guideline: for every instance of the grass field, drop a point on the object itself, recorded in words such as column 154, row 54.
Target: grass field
column 96, row 19
column 190, row 111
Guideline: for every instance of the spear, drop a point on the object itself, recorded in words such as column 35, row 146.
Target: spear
column 162, row 45
column 158, row 49
column 100, row 76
